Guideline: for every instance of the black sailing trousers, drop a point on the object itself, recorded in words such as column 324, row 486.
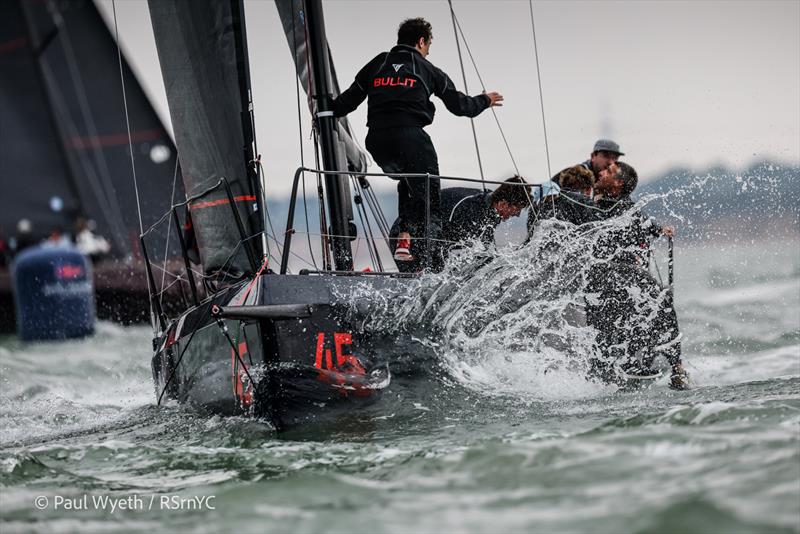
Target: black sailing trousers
column 409, row 150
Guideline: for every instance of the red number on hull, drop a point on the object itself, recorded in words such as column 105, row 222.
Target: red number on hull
column 348, row 372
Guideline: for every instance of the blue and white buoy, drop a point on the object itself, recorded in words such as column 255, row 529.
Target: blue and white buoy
column 54, row 293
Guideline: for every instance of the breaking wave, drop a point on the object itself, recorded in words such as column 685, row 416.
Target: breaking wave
column 513, row 320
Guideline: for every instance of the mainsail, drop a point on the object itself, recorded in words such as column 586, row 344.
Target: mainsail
column 198, row 49
column 65, row 127
column 294, row 26
column 30, row 148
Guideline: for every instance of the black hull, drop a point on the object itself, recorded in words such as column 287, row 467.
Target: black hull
column 310, row 363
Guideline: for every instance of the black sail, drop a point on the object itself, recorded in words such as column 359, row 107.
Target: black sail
column 35, row 182
column 292, row 16
column 75, row 59
column 197, row 50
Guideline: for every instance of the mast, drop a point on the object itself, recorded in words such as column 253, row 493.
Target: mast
column 247, row 119
column 335, row 185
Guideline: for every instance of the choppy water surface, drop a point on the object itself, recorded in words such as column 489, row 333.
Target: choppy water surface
column 482, row 444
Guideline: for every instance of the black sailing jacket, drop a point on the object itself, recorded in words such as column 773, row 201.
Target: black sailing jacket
column 399, row 84
column 467, row 214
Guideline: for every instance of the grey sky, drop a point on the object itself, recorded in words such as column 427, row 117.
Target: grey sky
column 675, row 82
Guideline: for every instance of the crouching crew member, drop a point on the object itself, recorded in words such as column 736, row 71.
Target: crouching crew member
column 573, row 203
column 471, row 214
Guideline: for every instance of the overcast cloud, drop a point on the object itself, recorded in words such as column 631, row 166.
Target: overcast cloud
column 674, row 82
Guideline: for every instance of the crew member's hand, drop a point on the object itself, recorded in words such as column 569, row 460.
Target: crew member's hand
column 668, row 231
column 495, row 98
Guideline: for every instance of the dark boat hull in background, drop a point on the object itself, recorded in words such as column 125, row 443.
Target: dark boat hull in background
column 308, row 346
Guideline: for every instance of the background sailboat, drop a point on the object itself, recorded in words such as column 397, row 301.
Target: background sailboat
column 65, row 147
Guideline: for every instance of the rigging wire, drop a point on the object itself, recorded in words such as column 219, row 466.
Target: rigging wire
column 99, row 178
column 300, row 135
column 267, row 220
column 483, row 86
column 130, row 147
column 127, row 117
column 541, row 97
column 269, row 223
column 323, row 222
column 169, row 227
column 466, row 90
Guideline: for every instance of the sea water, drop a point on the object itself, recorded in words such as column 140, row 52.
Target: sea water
column 495, row 437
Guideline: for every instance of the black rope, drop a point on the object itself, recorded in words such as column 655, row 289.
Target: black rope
column 363, row 216
column 175, row 367
column 466, row 90
column 224, row 328
column 377, row 214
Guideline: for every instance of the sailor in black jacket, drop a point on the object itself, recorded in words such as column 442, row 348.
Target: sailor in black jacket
column 398, row 85
column 634, row 315
column 604, row 155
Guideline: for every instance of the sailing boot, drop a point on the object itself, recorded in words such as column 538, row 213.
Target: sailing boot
column 402, row 252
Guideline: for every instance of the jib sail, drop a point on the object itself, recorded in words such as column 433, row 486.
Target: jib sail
column 201, row 59
column 292, row 16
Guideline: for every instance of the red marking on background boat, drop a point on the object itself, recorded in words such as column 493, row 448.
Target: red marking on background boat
column 116, row 139
column 65, row 272
column 12, row 45
column 220, row 202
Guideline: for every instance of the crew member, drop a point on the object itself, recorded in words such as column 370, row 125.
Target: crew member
column 398, row 85
column 572, row 202
column 604, row 155
column 634, row 316
column 92, row 245
column 472, row 214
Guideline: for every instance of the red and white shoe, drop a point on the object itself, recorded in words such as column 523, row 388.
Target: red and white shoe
column 403, row 250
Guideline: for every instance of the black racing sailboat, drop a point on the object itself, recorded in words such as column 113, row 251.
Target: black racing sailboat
column 65, row 149
column 289, row 347
column 292, row 348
